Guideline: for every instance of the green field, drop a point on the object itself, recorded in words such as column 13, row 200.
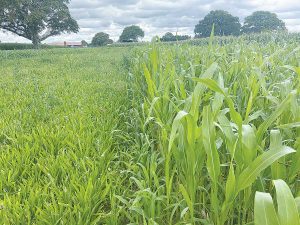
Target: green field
column 57, row 112
column 205, row 132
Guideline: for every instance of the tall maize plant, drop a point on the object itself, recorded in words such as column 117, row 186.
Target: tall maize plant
column 220, row 123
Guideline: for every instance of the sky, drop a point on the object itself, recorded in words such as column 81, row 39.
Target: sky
column 157, row 17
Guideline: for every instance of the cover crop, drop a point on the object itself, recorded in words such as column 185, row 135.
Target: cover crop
column 222, row 122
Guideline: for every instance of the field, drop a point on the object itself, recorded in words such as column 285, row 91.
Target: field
column 203, row 132
column 19, row 46
column 58, row 109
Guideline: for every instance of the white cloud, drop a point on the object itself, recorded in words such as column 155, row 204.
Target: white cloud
column 156, row 17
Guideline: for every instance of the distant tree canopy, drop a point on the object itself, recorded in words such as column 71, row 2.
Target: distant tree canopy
column 260, row 21
column 36, row 20
column 101, row 39
column 84, row 43
column 131, row 34
column 170, row 37
column 108, row 42
column 225, row 24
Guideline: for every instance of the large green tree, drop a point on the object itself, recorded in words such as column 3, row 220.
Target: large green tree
column 36, row 20
column 131, row 34
column 225, row 24
column 100, row 38
column 260, row 21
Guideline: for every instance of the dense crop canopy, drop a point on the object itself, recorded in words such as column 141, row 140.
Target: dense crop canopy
column 202, row 132
column 224, row 119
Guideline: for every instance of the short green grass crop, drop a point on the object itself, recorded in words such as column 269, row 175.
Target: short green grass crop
column 58, row 109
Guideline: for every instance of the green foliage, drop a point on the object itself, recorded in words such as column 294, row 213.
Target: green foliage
column 225, row 24
column 20, row 46
column 100, row 39
column 108, row 42
column 36, row 20
column 58, row 110
column 131, row 34
column 260, row 39
column 261, row 21
column 264, row 210
column 193, row 133
column 221, row 119
column 129, row 44
column 170, row 37
column 84, row 43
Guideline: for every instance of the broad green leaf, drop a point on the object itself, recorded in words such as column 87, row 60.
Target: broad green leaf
column 287, row 209
column 248, row 176
column 249, row 140
column 264, row 126
column 182, row 91
column 175, row 126
column 230, row 184
column 213, row 161
column 249, row 106
column 294, row 68
column 297, row 200
column 255, row 115
column 200, row 88
column 151, row 108
column 218, row 99
column 235, row 116
column 149, row 81
column 271, row 56
column 264, row 211
column 295, row 168
column 277, row 167
column 227, row 131
column 208, row 132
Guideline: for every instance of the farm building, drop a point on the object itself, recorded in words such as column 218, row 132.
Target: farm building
column 69, row 44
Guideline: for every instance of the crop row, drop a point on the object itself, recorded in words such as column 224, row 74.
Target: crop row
column 218, row 129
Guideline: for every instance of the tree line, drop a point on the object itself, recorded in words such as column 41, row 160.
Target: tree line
column 37, row 20
column 130, row 34
column 225, row 24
